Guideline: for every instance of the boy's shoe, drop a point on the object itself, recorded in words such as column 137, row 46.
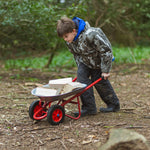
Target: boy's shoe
column 110, row 109
column 85, row 112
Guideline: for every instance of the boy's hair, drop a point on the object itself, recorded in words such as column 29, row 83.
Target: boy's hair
column 64, row 26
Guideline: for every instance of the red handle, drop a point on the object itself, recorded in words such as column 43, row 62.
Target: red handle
column 74, row 79
column 98, row 80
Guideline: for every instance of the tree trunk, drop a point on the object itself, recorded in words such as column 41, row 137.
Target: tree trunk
column 52, row 54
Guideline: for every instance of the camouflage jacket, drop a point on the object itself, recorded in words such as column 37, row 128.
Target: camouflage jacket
column 93, row 49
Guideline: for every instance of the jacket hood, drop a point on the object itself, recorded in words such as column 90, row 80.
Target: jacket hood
column 80, row 25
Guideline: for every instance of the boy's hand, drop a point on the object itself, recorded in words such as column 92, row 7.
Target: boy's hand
column 105, row 75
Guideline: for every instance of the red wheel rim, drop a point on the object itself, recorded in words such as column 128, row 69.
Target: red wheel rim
column 37, row 107
column 57, row 115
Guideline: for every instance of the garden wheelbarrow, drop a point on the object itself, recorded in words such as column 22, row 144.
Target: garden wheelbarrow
column 56, row 113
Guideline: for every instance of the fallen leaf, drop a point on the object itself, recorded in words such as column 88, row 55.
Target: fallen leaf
column 86, row 142
column 32, row 83
column 98, row 123
column 1, row 143
column 71, row 140
column 122, row 84
column 91, row 136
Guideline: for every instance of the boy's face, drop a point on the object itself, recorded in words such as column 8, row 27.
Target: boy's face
column 70, row 36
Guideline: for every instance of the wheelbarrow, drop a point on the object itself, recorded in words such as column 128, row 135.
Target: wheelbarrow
column 55, row 114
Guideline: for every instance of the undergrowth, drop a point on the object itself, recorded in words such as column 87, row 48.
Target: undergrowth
column 64, row 59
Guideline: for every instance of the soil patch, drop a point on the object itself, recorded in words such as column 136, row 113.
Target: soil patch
column 18, row 131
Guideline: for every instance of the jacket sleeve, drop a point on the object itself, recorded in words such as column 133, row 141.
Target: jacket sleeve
column 101, row 44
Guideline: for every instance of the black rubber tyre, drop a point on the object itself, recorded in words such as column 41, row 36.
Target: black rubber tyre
column 34, row 107
column 55, row 115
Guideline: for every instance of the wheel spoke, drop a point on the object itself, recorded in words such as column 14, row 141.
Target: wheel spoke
column 57, row 115
column 41, row 113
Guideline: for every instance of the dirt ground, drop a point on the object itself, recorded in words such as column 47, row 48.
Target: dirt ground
column 19, row 132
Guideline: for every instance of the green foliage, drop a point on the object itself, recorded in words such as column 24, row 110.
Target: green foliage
column 131, row 55
column 31, row 25
column 124, row 21
column 64, row 59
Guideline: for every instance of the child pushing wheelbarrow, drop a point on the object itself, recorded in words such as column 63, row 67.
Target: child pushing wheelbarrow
column 93, row 55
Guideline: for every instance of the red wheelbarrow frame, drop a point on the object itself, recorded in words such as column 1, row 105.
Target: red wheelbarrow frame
column 40, row 112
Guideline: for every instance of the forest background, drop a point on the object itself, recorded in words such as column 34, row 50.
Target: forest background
column 31, row 54
column 28, row 37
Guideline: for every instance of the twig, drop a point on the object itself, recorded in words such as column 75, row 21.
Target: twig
column 22, row 86
column 24, row 97
column 136, row 104
column 132, row 127
column 146, row 117
column 120, row 124
column 98, row 123
column 8, row 121
column 41, row 143
column 21, row 92
column 129, row 112
column 78, row 125
column 64, row 145
column 29, row 130
column 4, row 97
column 127, row 108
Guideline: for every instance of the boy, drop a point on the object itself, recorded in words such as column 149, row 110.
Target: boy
column 93, row 54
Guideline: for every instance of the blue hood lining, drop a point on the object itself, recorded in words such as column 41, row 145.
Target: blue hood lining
column 80, row 24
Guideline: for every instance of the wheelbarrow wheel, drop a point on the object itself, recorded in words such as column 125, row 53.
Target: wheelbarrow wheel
column 55, row 115
column 34, row 107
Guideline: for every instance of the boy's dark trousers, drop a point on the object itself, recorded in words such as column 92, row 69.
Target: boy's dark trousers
column 87, row 76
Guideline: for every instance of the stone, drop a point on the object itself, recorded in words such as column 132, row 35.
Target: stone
column 125, row 139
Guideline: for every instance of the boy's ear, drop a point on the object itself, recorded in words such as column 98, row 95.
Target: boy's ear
column 74, row 31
